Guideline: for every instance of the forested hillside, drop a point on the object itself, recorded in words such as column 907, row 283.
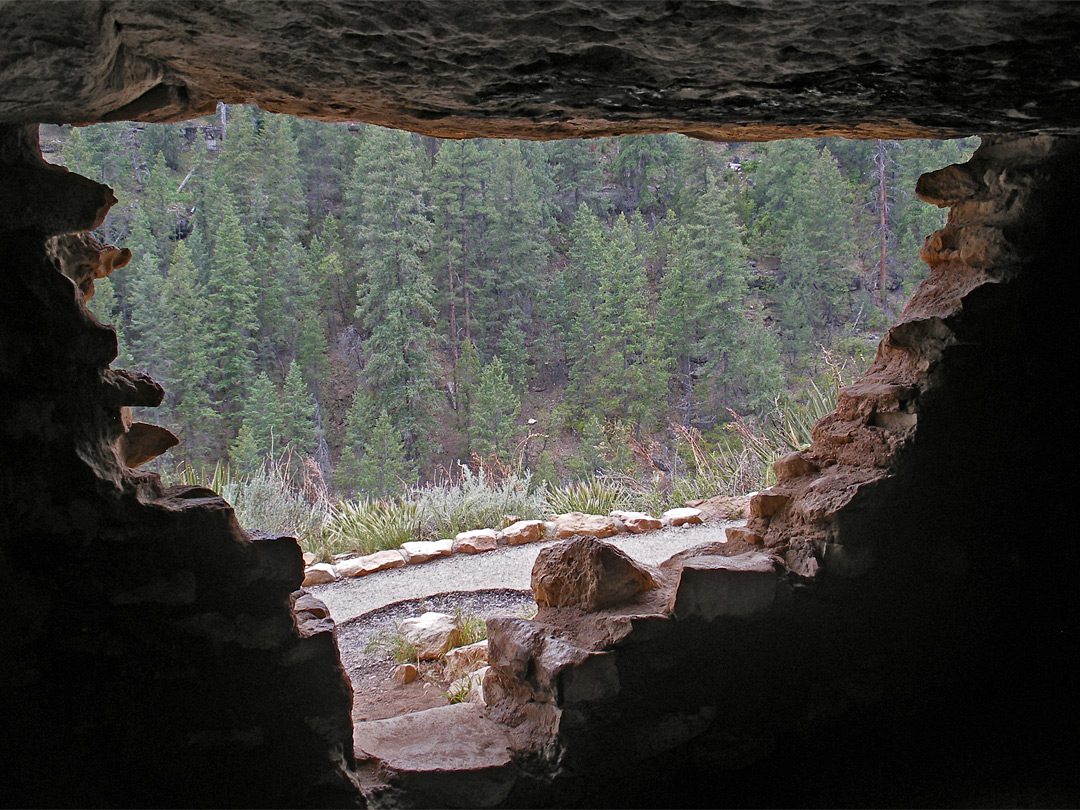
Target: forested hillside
column 386, row 304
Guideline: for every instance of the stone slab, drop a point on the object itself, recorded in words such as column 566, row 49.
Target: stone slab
column 418, row 551
column 710, row 587
column 449, row 756
column 369, row 564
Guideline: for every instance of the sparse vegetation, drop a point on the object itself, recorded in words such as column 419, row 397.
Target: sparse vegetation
column 395, row 645
column 471, row 628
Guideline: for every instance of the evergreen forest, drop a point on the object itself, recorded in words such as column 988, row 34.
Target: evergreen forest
column 377, row 307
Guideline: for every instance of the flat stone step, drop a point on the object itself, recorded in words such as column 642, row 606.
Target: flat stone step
column 449, row 756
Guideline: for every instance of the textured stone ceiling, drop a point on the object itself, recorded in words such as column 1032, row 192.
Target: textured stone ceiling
column 732, row 69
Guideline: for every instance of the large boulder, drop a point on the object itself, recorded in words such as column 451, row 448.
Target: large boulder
column 449, row 756
column 432, row 634
column 711, row 586
column 587, row 574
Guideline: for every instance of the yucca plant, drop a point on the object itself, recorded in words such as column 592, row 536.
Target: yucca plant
column 593, row 496
column 369, row 526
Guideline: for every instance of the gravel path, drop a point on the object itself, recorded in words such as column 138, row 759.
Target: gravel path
column 508, row 567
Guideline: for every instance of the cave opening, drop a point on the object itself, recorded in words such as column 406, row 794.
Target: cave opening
column 918, row 648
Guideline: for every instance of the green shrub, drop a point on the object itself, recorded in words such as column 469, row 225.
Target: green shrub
column 473, row 501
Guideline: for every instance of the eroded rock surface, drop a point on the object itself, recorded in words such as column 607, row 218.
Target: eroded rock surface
column 587, row 574
column 726, row 70
column 166, row 657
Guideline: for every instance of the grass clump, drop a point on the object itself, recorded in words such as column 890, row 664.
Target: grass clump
column 395, row 645
column 471, row 627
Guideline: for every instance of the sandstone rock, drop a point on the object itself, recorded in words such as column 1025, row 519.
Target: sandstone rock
column 713, row 586
column 369, row 564
column 311, row 604
column 743, row 534
column 587, row 574
column 793, row 465
column 418, row 551
column 461, row 661
column 405, row 673
column 682, row 516
column 311, row 615
column 578, row 523
column 638, row 522
column 476, row 694
column 320, row 574
column 450, row 756
column 309, row 558
column 432, row 633
column 476, row 542
column 767, row 503
column 523, row 531
column 142, row 442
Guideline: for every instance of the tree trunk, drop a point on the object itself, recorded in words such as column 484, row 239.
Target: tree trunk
column 883, row 213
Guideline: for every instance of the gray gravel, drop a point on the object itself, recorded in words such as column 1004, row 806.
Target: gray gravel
column 507, row 567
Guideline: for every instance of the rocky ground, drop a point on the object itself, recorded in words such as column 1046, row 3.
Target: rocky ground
column 496, row 583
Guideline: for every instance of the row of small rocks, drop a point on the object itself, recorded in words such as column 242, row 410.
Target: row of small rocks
column 477, row 541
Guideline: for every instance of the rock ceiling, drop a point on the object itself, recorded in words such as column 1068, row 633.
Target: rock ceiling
column 731, row 69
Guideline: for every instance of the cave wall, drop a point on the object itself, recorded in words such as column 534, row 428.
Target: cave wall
column 924, row 616
column 150, row 654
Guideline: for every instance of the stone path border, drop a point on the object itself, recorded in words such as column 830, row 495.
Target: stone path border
column 478, row 541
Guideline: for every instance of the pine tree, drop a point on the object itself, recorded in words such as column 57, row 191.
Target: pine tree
column 575, row 298
column 359, row 421
column 515, row 251
column 299, row 429
column 460, row 211
column 626, row 382
column 232, row 314
column 263, row 420
column 384, row 466
column 395, row 291
column 186, row 350
column 467, row 370
column 495, row 409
